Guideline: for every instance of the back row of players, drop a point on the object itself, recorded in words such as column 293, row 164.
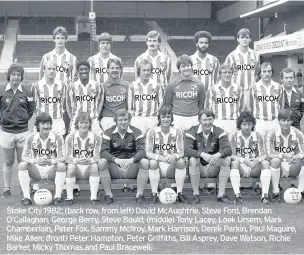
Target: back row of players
column 230, row 88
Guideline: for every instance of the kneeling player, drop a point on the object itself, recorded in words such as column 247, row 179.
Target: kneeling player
column 285, row 147
column 165, row 149
column 209, row 150
column 123, row 156
column 83, row 148
column 43, row 159
column 248, row 156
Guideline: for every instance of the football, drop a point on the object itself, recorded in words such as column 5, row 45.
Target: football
column 292, row 196
column 167, row 196
column 43, row 197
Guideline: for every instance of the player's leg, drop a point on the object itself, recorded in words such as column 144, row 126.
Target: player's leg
column 154, row 177
column 70, row 182
column 105, row 178
column 9, row 158
column 275, row 165
column 142, row 177
column 235, row 179
column 94, row 180
column 301, row 180
column 60, row 177
column 265, row 177
column 296, row 170
column 194, row 172
column 67, row 121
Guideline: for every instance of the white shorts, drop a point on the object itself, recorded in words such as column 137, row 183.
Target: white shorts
column 263, row 126
column 11, row 140
column 83, row 169
column 144, row 123
column 95, row 127
column 247, row 170
column 107, row 122
column 44, row 171
column 185, row 123
column 163, row 168
column 229, row 126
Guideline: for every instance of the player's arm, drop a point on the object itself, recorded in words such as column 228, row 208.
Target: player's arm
column 190, row 138
column 160, row 97
column 270, row 146
column 70, row 95
column 27, row 155
column 135, row 68
column 92, row 69
column 35, row 93
column 74, row 74
column 261, row 148
column 130, row 97
column 64, row 95
column 100, row 98
column 300, row 138
column 209, row 99
column 41, row 71
column 230, row 61
column 31, row 104
column 97, row 146
column 251, row 97
column 179, row 144
column 232, row 140
column 140, row 147
column 106, row 147
column 225, row 148
column 60, row 151
column 202, row 97
column 169, row 70
column 69, row 149
column 150, row 138
column 216, row 71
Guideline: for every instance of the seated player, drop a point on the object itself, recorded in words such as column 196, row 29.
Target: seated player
column 285, row 148
column 248, row 156
column 165, row 149
column 43, row 159
column 83, row 149
column 123, row 156
column 209, row 151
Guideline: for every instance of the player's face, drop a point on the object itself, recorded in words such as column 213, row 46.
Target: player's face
column 15, row 78
column 226, row 75
column 185, row 70
column 84, row 126
column 206, row 122
column 104, row 46
column 145, row 72
column 244, row 40
column 45, row 128
column 50, row 71
column 288, row 80
column 114, row 71
column 152, row 43
column 246, row 127
column 266, row 73
column 285, row 123
column 59, row 41
column 165, row 120
column 123, row 122
column 83, row 72
column 202, row 44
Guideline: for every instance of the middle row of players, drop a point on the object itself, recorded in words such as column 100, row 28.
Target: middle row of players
column 124, row 152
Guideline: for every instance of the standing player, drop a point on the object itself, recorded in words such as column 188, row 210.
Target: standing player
column 248, row 156
column 205, row 66
column 209, row 151
column 43, row 159
column 161, row 71
column 292, row 98
column 115, row 93
column 98, row 62
column 244, row 62
column 65, row 64
column 83, row 153
column 165, row 150
column 123, row 156
column 85, row 95
column 16, row 109
column 144, row 98
column 185, row 95
column 265, row 98
column 49, row 95
column 285, row 148
column 224, row 100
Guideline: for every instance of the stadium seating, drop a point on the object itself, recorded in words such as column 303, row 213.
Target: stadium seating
column 45, row 25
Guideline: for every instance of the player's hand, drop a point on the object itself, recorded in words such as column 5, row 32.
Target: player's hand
column 162, row 158
column 247, row 162
column 118, row 161
column 83, row 161
column 215, row 158
column 205, row 156
column 254, row 162
column 127, row 162
column 42, row 161
column 296, row 158
column 172, row 159
column 288, row 156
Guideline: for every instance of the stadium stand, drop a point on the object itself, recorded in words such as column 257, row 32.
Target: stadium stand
column 45, row 25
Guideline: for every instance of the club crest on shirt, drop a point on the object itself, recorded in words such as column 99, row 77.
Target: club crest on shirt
column 123, row 91
column 163, row 66
column 193, row 86
column 211, row 66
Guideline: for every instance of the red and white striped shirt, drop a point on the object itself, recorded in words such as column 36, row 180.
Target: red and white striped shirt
column 206, row 70
column 158, row 143
column 65, row 65
column 49, row 98
column 76, row 147
column 264, row 101
column 244, row 66
column 144, row 100
column 82, row 98
column 250, row 147
column 98, row 67
column 161, row 71
column 224, row 102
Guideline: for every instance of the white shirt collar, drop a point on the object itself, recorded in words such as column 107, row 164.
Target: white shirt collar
column 158, row 130
column 293, row 89
column 238, row 50
column 129, row 130
column 252, row 134
column 146, row 54
column 292, row 132
column 53, row 52
column 200, row 129
column 197, row 56
column 8, row 87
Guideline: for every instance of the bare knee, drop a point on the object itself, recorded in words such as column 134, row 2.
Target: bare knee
column 275, row 163
column 9, row 161
column 103, row 164
column 154, row 164
column 180, row 163
column 235, row 164
column 225, row 162
column 71, row 170
column 61, row 167
column 94, row 168
column 23, row 166
column 265, row 164
column 194, row 162
column 144, row 164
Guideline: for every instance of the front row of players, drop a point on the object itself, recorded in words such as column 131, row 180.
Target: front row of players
column 123, row 153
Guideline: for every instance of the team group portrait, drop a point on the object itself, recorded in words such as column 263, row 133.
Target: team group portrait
column 182, row 115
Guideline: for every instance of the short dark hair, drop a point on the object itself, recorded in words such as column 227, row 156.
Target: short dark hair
column 207, row 112
column 15, row 68
column 244, row 31
column 122, row 112
column 116, row 61
column 104, row 37
column 83, row 116
column 285, row 114
column 225, row 66
column 183, row 59
column 287, row 70
column 164, row 110
column 152, row 34
column 43, row 118
column 141, row 63
column 245, row 116
column 202, row 34
column 60, row 30
column 264, row 65
column 83, row 63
